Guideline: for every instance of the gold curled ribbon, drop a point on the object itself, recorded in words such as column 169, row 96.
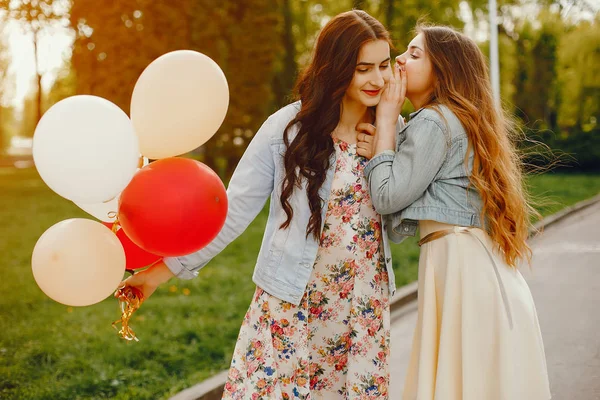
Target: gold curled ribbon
column 130, row 300
column 116, row 223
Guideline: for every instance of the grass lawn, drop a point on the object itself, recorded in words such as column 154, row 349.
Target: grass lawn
column 187, row 330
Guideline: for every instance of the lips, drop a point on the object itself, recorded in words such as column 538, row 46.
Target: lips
column 372, row 92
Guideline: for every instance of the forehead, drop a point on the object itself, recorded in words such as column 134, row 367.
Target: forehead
column 374, row 51
column 418, row 41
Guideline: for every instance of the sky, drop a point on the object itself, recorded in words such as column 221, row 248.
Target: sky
column 55, row 46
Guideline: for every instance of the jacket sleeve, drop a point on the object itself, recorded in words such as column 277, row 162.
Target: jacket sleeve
column 397, row 179
column 250, row 187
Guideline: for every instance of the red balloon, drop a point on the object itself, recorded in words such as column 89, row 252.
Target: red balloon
column 173, row 206
column 135, row 256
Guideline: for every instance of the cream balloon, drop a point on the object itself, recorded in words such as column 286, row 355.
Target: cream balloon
column 85, row 149
column 178, row 103
column 106, row 211
column 78, row 262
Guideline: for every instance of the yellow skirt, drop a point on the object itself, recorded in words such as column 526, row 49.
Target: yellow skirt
column 477, row 334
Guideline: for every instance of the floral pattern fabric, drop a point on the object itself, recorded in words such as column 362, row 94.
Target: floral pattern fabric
column 335, row 343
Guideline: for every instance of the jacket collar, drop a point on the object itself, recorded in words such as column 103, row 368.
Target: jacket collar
column 414, row 114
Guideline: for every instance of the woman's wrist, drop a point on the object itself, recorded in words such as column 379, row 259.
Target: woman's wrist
column 159, row 274
column 385, row 138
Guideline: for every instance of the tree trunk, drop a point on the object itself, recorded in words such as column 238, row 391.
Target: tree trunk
column 2, row 138
column 389, row 15
column 358, row 4
column 38, row 76
column 209, row 157
column 284, row 81
column 232, row 160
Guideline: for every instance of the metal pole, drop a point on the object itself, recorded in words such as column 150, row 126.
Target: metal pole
column 494, row 66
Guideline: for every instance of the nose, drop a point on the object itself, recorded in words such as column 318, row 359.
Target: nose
column 401, row 59
column 378, row 79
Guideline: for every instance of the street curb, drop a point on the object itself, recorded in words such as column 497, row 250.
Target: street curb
column 212, row 388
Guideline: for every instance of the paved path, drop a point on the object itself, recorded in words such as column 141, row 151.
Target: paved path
column 565, row 282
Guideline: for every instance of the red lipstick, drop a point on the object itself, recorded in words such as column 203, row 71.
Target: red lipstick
column 372, row 92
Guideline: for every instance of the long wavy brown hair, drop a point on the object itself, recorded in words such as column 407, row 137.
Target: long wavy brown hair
column 463, row 84
column 321, row 88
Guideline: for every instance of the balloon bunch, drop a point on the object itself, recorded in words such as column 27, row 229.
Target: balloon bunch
column 89, row 151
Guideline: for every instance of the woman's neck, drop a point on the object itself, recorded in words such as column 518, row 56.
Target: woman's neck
column 351, row 114
column 420, row 100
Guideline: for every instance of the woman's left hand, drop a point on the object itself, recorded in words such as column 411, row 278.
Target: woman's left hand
column 365, row 139
column 392, row 97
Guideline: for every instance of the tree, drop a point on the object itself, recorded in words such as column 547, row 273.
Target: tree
column 117, row 41
column 36, row 17
column 286, row 67
column 63, row 86
column 249, row 48
column 389, row 9
column 524, row 71
column 4, row 84
column 578, row 60
column 358, row 4
column 543, row 104
column 27, row 122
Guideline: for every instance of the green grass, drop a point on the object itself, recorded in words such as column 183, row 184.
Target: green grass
column 51, row 351
column 552, row 192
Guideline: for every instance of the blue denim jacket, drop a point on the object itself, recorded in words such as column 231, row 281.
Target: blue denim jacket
column 286, row 257
column 426, row 178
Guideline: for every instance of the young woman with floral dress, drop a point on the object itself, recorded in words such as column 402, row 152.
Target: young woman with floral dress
column 318, row 325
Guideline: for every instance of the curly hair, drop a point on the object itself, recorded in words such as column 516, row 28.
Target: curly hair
column 321, row 88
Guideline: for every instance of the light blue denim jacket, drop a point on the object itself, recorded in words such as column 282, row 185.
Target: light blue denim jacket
column 426, row 178
column 286, row 257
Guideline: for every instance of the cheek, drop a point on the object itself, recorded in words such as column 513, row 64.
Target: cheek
column 357, row 82
column 361, row 80
column 430, row 78
column 412, row 75
column 417, row 76
column 413, row 69
column 387, row 74
column 427, row 72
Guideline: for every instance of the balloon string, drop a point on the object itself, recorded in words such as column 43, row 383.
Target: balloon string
column 116, row 224
column 130, row 299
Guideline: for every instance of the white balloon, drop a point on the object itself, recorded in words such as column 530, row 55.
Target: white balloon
column 179, row 102
column 106, row 211
column 85, row 149
column 78, row 262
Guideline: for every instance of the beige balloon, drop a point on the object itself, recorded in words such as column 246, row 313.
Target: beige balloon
column 179, row 102
column 78, row 262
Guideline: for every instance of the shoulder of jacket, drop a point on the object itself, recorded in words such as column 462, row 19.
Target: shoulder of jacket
column 276, row 123
column 285, row 114
column 430, row 115
column 447, row 121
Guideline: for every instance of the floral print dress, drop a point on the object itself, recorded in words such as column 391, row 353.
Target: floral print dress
column 335, row 343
